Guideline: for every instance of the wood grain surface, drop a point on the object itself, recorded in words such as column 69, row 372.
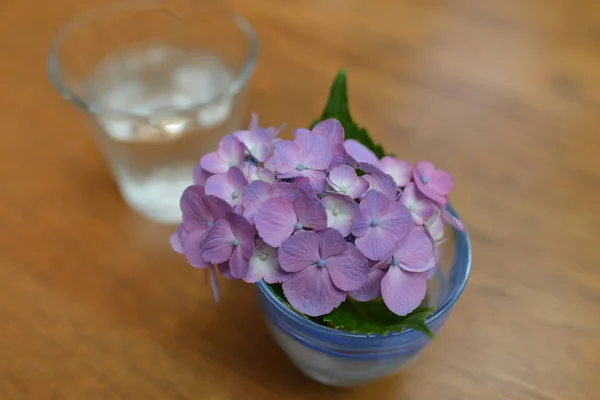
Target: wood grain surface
column 503, row 93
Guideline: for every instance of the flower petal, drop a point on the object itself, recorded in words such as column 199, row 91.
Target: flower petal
column 435, row 227
column 372, row 288
column 383, row 183
column 310, row 212
column 244, row 232
column 316, row 178
column 238, row 264
column 219, row 185
column 176, row 239
column 200, row 175
column 442, row 182
column 286, row 156
column 374, row 204
column 342, row 177
column 217, row 207
column 403, row 291
column 275, row 220
column 265, row 265
column 420, row 206
column 231, row 151
column 331, row 243
column 192, row 249
column 254, row 194
column 341, row 211
column 217, row 246
column 360, row 152
column 212, row 163
column 331, row 130
column 312, row 292
column 299, row 251
column 214, row 283
column 400, row 170
column 257, row 142
column 315, row 152
column 397, row 222
column 416, row 252
column 349, row 270
column 452, row 220
column 377, row 243
column 194, row 210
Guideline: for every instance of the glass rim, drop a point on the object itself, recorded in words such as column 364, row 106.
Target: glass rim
column 54, row 67
column 462, row 260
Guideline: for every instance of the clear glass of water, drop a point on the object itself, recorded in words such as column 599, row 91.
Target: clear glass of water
column 161, row 82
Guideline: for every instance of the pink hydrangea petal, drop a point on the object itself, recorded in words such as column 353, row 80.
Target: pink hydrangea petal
column 275, row 220
column 372, row 288
column 442, row 182
column 304, row 183
column 331, row 243
column 342, row 178
column 287, row 190
column 315, row 152
column 214, row 283
column 212, row 163
column 421, row 207
column 358, row 189
column 424, row 168
column 265, row 265
column 430, row 273
column 422, row 174
column 347, row 210
column 400, row 170
column 301, row 131
column 416, row 252
column 257, row 142
column 316, row 178
column 331, row 129
column 360, row 152
column 403, row 291
column 299, row 251
column 192, row 249
column 238, row 264
column 200, row 175
column 368, row 168
column 377, row 243
column 338, row 154
column 452, row 220
column 254, row 194
column 361, row 225
column 270, row 164
column 244, row 232
column 374, row 204
column 217, row 207
column 219, row 185
column 194, row 210
column 312, row 292
column 383, row 183
column 397, row 222
column 224, row 270
column 176, row 239
column 255, row 173
column 236, row 178
column 231, row 151
column 349, row 270
column 310, row 212
column 435, row 227
column 217, row 247
column 286, row 156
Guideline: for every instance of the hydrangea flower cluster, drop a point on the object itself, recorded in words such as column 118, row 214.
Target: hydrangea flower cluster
column 320, row 214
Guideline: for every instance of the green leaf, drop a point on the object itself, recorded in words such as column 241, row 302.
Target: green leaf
column 373, row 317
column 338, row 107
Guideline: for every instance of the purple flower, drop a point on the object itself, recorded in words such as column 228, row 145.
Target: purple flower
column 435, row 226
column 199, row 213
column 360, row 152
column 435, row 184
column 421, row 207
column 229, row 154
column 343, row 179
column 383, row 183
column 400, row 170
column 280, row 217
column 230, row 239
column 228, row 187
column 256, row 173
column 452, row 220
column 200, row 175
column 258, row 192
column 265, row 265
column 341, row 211
column 380, row 225
column 402, row 279
column 257, row 142
column 333, row 131
column 307, row 155
column 323, row 267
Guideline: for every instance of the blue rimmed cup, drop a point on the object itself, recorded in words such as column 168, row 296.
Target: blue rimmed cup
column 337, row 358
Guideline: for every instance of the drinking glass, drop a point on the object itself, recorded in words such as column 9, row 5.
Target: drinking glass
column 160, row 82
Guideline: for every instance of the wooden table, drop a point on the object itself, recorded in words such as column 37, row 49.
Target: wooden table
column 503, row 93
